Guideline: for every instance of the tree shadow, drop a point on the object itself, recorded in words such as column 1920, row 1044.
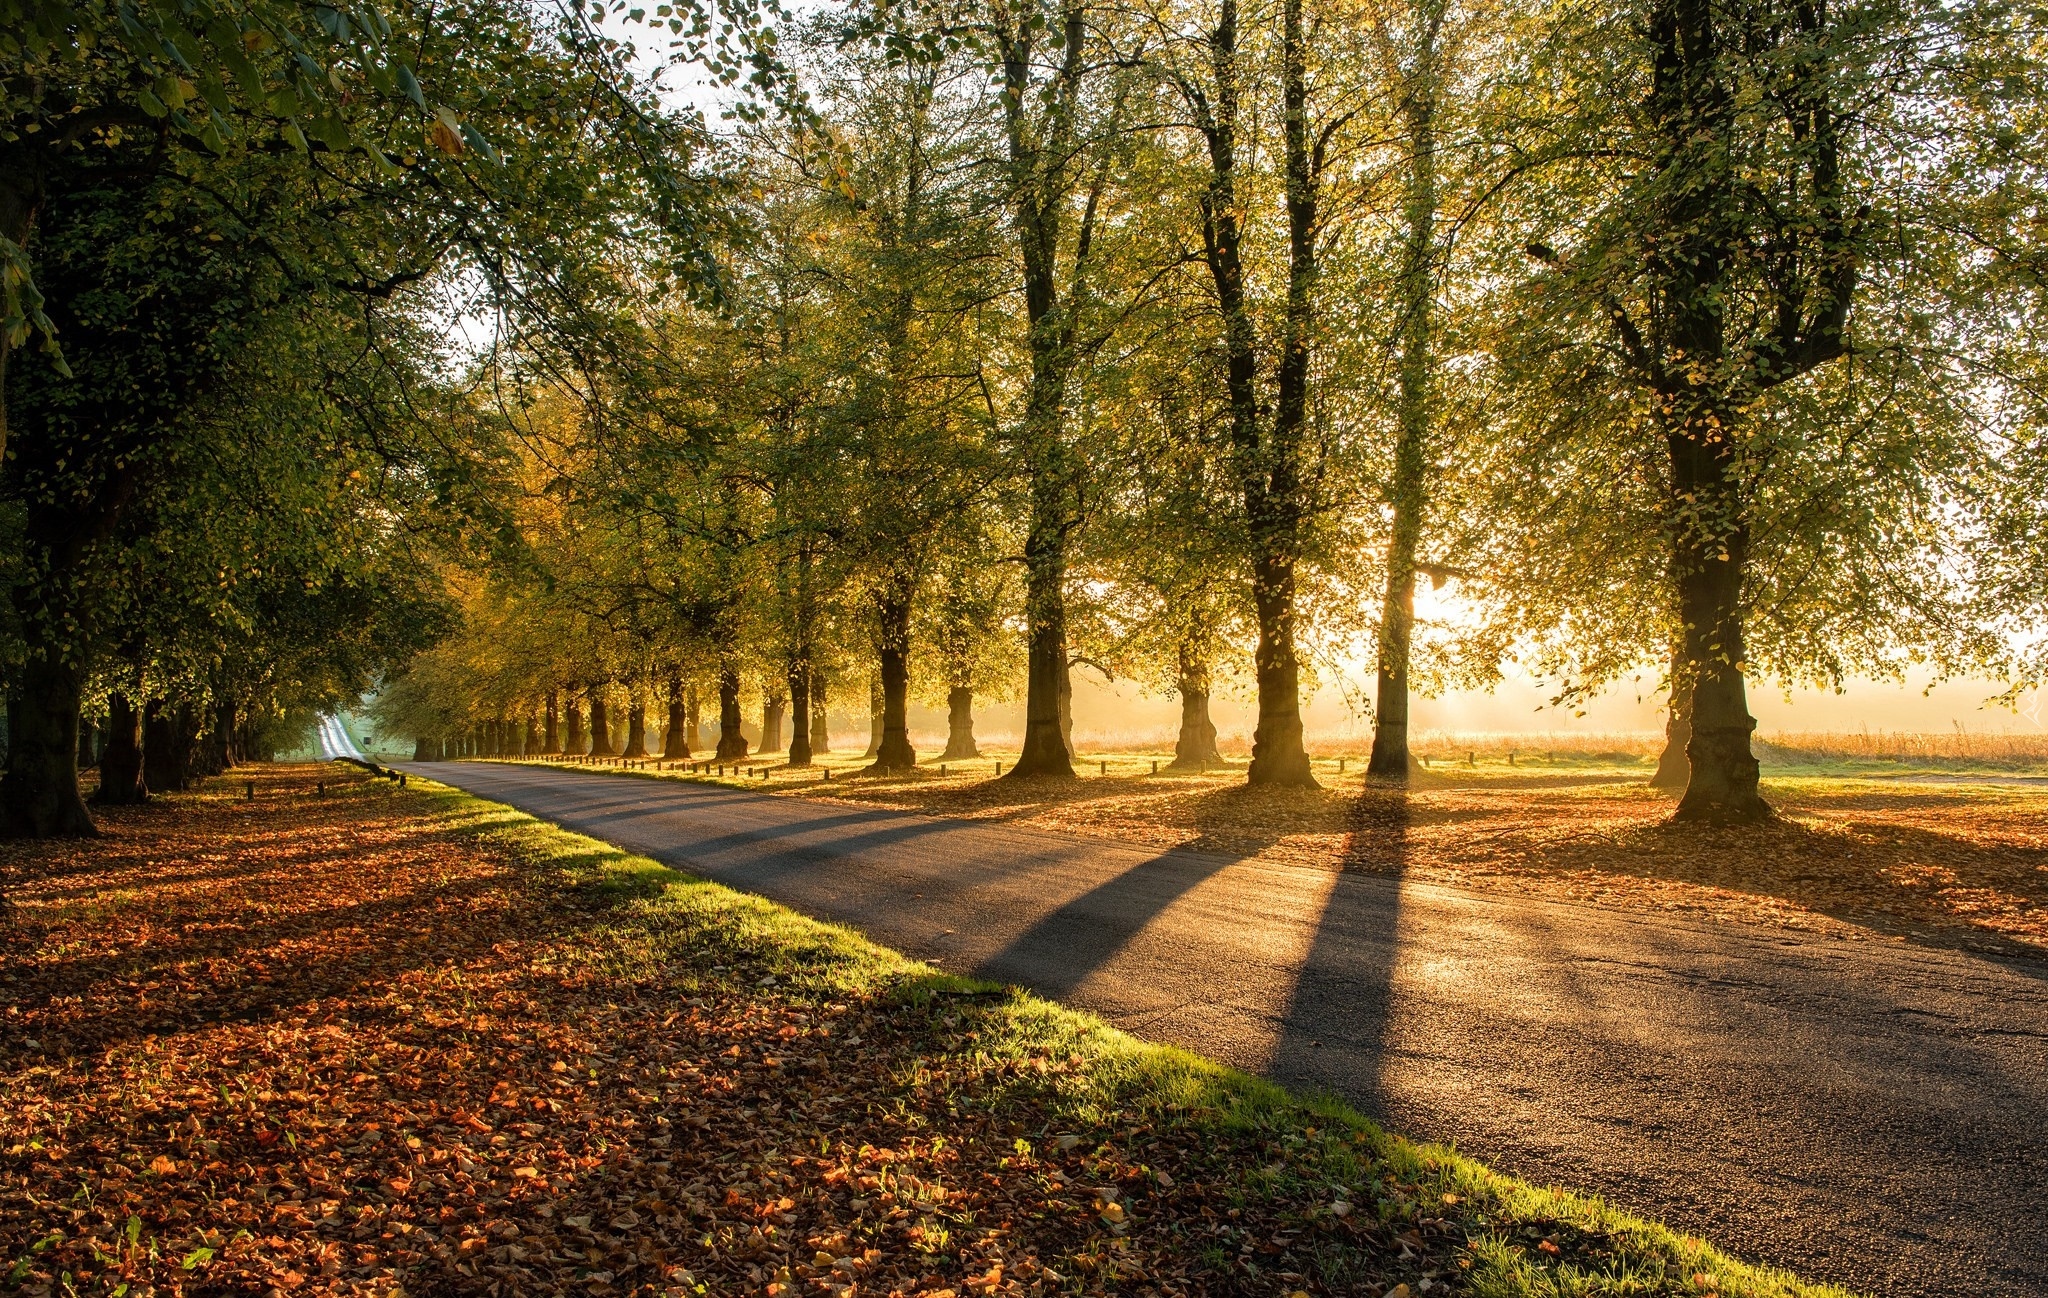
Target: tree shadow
column 1335, row 1032
column 1965, row 884
column 265, row 933
column 1064, row 946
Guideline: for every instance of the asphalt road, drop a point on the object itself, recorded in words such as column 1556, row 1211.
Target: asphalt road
column 1863, row 1112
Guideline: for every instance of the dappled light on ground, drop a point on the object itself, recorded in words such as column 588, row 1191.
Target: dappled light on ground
column 1953, row 863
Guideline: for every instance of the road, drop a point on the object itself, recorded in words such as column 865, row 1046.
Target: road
column 1870, row 1113
column 333, row 739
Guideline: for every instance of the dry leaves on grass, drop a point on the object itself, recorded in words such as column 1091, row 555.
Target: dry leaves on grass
column 333, row 1046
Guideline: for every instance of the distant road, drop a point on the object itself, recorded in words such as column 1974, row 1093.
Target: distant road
column 334, row 740
column 1864, row 1112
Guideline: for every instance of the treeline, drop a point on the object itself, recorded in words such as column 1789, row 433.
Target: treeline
column 1185, row 340
column 1180, row 342
column 241, row 452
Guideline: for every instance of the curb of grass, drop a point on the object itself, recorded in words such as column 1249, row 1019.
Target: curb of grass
column 1125, row 1075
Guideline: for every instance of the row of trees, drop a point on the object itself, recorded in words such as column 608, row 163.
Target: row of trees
column 241, row 447
column 1173, row 340
column 1188, row 337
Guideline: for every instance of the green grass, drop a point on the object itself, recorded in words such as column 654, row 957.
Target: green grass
column 655, row 917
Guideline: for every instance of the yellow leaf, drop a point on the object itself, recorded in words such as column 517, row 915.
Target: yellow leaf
column 445, row 140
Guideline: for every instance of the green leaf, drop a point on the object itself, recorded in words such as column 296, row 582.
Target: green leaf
column 226, row 39
column 409, row 85
column 330, row 131
column 483, row 146
column 215, row 94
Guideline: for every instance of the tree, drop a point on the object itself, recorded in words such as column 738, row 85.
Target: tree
column 1739, row 302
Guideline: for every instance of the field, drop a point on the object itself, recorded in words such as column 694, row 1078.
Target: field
column 1930, row 838
column 268, row 1040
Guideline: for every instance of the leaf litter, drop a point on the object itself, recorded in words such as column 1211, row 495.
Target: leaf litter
column 356, row 1044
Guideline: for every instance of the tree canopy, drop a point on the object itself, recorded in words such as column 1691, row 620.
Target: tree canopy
column 440, row 354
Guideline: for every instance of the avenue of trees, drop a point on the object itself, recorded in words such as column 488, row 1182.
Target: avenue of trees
column 435, row 351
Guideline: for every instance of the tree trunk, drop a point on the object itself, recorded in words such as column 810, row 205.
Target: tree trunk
column 1674, row 770
column 675, row 737
column 121, row 782
column 960, row 743
column 600, row 727
column 1722, row 787
column 693, row 737
column 225, row 726
column 164, row 765
column 732, row 745
column 39, row 794
column 1697, row 238
column 636, row 728
column 1046, row 750
column 1196, row 749
column 799, row 711
column 1067, row 709
column 877, row 705
column 211, row 755
column 1266, row 451
column 773, row 705
column 1390, row 758
column 577, row 745
column 1275, row 504
column 1278, row 756
column 551, row 734
column 821, row 739
column 1409, row 489
column 894, row 752
column 1045, row 160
